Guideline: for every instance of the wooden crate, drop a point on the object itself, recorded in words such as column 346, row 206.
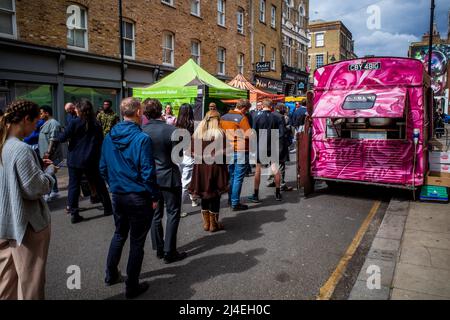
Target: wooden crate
column 438, row 179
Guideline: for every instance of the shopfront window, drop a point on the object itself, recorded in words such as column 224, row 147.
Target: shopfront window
column 42, row 94
column 95, row 95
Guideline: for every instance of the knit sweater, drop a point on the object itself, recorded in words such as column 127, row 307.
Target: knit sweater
column 22, row 185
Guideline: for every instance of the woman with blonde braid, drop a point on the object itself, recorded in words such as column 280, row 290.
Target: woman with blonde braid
column 24, row 215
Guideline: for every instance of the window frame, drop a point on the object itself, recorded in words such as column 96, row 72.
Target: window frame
column 240, row 13
column 262, row 52
column 172, row 55
column 273, row 17
column 241, row 63
column 13, row 21
column 273, row 60
column 316, row 41
column 220, row 62
column 262, row 11
column 133, row 41
column 198, row 57
column 323, row 60
column 168, row 2
column 197, row 14
column 221, row 15
column 86, row 30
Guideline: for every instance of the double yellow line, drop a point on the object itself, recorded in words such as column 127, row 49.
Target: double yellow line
column 328, row 288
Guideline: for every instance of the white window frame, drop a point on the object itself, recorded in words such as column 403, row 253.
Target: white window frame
column 172, row 52
column 316, row 39
column 262, row 11
column 197, row 3
column 240, row 14
column 221, row 61
column 196, row 58
column 273, row 19
column 240, row 63
column 168, row 2
column 14, row 22
column 273, row 61
column 262, row 52
column 221, row 12
column 323, row 60
column 133, row 40
column 288, row 46
column 86, row 37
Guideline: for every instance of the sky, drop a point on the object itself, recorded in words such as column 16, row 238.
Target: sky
column 401, row 22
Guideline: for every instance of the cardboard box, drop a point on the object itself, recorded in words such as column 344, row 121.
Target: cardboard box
column 439, row 157
column 440, row 167
column 438, row 179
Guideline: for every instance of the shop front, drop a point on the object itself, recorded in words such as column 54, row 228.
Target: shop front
column 270, row 85
column 295, row 81
column 53, row 76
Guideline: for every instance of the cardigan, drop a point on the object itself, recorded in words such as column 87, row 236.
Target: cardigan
column 22, row 185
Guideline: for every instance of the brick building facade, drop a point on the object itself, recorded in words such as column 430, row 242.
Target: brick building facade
column 58, row 50
column 329, row 42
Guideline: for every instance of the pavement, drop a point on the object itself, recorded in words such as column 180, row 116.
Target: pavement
column 275, row 250
column 412, row 251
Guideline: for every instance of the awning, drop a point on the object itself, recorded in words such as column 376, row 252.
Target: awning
column 361, row 103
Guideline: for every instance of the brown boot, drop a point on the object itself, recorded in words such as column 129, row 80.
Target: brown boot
column 206, row 221
column 214, row 224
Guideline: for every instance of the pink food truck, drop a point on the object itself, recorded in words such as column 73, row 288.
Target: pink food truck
column 370, row 122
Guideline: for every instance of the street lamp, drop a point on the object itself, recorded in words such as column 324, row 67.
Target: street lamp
column 122, row 58
column 430, row 45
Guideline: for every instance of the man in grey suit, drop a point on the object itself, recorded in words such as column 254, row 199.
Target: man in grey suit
column 168, row 178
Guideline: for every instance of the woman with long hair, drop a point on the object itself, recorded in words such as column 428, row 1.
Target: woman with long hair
column 210, row 177
column 169, row 116
column 85, row 136
column 186, row 121
column 24, row 215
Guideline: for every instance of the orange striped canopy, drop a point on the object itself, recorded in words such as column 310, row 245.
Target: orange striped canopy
column 256, row 94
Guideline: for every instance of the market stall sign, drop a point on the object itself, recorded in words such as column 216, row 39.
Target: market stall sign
column 365, row 66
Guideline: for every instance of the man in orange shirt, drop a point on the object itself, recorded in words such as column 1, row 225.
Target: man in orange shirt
column 237, row 130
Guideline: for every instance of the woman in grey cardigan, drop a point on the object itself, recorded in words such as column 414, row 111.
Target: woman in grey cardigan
column 24, row 215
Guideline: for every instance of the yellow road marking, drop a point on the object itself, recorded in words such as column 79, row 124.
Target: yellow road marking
column 328, row 288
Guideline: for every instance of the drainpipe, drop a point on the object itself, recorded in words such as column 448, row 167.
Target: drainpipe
column 122, row 58
column 252, row 40
column 430, row 45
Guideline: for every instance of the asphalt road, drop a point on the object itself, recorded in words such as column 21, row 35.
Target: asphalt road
column 275, row 250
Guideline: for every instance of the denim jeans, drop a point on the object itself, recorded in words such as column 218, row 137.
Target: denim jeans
column 237, row 171
column 133, row 213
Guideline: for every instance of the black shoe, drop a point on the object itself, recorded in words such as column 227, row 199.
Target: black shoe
column 174, row 257
column 286, row 188
column 271, row 185
column 239, row 207
column 159, row 254
column 76, row 219
column 118, row 279
column 278, row 197
column 131, row 293
column 95, row 199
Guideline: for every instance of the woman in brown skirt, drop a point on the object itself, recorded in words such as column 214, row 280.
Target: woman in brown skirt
column 210, row 174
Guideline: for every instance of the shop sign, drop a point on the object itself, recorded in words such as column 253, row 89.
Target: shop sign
column 269, row 84
column 263, row 66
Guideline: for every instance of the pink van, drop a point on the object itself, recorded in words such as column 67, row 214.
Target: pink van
column 370, row 122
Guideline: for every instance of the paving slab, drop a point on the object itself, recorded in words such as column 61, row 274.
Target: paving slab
column 400, row 294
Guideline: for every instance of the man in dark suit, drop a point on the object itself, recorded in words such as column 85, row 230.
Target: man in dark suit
column 169, row 180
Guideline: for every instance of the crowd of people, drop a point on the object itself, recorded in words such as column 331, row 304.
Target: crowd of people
column 129, row 168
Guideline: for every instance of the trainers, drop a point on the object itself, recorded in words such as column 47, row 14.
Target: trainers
column 271, row 185
column 131, row 293
column 76, row 219
column 239, row 207
column 195, row 202
column 184, row 214
column 254, row 198
column 118, row 279
column 174, row 257
column 278, row 197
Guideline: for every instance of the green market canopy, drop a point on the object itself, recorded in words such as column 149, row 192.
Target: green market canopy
column 190, row 83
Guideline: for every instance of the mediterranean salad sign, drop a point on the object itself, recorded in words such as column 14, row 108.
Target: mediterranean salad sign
column 365, row 66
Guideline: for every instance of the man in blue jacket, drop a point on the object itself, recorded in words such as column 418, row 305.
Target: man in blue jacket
column 128, row 167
